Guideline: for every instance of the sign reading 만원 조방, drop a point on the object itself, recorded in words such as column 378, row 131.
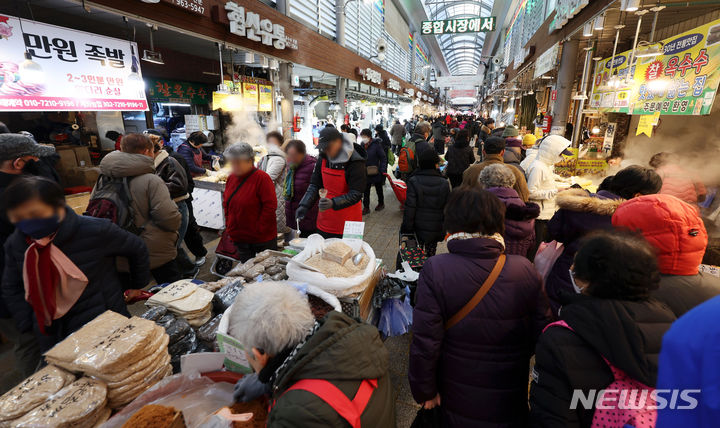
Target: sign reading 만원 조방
column 682, row 81
column 461, row 25
column 70, row 70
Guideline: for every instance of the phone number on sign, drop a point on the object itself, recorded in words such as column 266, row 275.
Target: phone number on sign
column 193, row 6
column 69, row 103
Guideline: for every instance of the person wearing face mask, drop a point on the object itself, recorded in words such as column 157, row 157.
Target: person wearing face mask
column 275, row 165
column 612, row 320
column 312, row 369
column 60, row 267
column 17, row 152
column 340, row 172
column 297, row 181
column 194, row 154
column 376, row 166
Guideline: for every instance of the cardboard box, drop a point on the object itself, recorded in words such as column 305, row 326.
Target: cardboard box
column 82, row 154
column 82, row 176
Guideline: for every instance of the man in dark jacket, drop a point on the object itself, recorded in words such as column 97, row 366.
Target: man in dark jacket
column 293, row 356
column 493, row 153
column 382, row 134
column 427, row 193
column 376, row 165
column 16, row 153
column 438, row 133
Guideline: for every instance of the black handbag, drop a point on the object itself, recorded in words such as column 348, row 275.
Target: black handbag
column 428, row 418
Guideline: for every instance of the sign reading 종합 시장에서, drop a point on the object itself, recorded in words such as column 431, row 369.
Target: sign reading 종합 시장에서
column 460, row 25
column 683, row 80
column 68, row 70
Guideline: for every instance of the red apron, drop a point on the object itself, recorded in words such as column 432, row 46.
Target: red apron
column 198, row 160
column 333, row 221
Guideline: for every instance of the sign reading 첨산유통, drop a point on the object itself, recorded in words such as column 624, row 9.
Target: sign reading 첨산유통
column 461, row 25
column 682, row 81
column 75, row 70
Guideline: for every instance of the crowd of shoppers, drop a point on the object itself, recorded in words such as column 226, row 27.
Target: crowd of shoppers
column 624, row 304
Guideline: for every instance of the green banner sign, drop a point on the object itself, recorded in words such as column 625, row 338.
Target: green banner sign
column 166, row 91
column 461, row 25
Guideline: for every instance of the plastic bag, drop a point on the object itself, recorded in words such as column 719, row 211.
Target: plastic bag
column 395, row 317
column 176, row 329
column 208, row 331
column 197, row 396
column 546, row 255
column 184, row 345
column 338, row 286
column 155, row 313
column 225, row 296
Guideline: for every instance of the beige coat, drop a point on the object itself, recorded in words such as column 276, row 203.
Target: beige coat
column 155, row 212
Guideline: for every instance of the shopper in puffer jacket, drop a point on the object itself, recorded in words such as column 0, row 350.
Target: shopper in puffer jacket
column 297, row 181
column 520, row 216
column 678, row 234
column 477, row 370
column 459, row 157
column 427, row 193
column 274, row 164
column 579, row 213
column 614, row 317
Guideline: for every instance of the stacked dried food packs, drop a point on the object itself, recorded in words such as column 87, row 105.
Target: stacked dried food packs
column 220, row 283
column 80, row 404
column 185, row 299
column 129, row 355
column 269, row 264
column 335, row 261
column 182, row 337
column 32, row 392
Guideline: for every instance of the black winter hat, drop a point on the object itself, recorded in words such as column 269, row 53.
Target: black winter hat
column 327, row 135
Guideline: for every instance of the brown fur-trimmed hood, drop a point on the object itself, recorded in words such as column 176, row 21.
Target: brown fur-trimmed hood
column 580, row 200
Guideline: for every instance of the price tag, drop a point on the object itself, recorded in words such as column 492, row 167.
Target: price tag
column 354, row 230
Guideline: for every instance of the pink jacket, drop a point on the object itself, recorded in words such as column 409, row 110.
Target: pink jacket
column 680, row 183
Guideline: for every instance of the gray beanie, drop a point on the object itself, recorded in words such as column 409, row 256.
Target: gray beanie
column 13, row 146
column 239, row 151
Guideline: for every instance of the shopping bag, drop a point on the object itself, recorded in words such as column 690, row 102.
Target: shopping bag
column 425, row 418
column 546, row 255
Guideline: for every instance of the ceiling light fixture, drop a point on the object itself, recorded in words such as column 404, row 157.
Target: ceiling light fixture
column 630, row 5
column 588, row 29
column 599, row 22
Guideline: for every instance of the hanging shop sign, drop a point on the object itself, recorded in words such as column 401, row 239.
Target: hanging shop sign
column 455, row 26
column 370, row 75
column 250, row 96
column 252, row 26
column 172, row 91
column 226, row 101
column 409, row 92
column 546, row 61
column 197, row 7
column 393, row 84
column 462, row 93
column 609, row 138
column 459, row 81
column 67, row 70
column 265, row 98
column 565, row 10
column 681, row 81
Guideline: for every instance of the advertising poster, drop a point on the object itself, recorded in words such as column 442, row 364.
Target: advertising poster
column 681, row 81
column 67, row 70
column 250, row 95
column 266, row 98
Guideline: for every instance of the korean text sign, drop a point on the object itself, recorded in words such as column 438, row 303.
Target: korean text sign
column 462, row 25
column 77, row 70
column 683, row 80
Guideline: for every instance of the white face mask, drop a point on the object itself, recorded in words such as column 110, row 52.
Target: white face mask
column 366, row 140
column 578, row 290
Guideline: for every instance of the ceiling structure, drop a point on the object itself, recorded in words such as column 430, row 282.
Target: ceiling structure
column 462, row 52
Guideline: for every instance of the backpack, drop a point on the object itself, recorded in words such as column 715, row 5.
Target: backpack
column 111, row 199
column 627, row 393
column 406, row 158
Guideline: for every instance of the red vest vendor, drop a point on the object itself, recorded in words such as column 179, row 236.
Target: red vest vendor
column 340, row 175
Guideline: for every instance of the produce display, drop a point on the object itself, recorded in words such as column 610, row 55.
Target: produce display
column 269, row 264
column 80, row 404
column 32, row 392
column 220, row 176
column 128, row 355
column 336, row 260
column 185, row 299
column 155, row 416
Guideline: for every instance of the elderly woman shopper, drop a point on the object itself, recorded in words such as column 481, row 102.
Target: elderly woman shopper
column 275, row 165
column 520, row 216
column 60, row 267
column 612, row 321
column 477, row 316
column 375, row 165
column 249, row 203
column 312, row 369
column 340, row 175
column 297, row 181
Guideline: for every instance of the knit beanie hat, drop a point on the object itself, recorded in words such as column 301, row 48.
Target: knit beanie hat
column 510, row 131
